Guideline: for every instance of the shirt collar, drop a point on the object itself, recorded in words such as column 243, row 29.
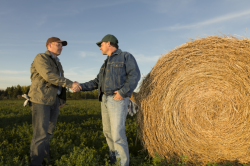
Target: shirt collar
column 116, row 52
column 56, row 58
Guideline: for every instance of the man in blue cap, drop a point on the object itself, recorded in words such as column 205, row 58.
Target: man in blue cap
column 117, row 79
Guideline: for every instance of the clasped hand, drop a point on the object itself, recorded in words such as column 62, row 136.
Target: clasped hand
column 76, row 87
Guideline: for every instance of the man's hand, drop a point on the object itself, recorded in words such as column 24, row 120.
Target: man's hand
column 60, row 106
column 76, row 87
column 118, row 96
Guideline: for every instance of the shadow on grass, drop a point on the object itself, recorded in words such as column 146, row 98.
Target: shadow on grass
column 10, row 122
column 78, row 118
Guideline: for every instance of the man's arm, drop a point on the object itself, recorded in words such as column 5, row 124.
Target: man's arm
column 43, row 67
column 88, row 86
column 91, row 85
column 133, row 77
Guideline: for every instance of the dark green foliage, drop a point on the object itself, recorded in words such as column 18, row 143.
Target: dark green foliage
column 78, row 136
column 78, row 156
column 15, row 92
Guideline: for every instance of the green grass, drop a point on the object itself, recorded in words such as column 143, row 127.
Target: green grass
column 78, row 138
column 78, row 129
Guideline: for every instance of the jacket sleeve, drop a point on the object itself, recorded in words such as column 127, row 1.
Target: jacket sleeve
column 44, row 68
column 91, row 85
column 133, row 76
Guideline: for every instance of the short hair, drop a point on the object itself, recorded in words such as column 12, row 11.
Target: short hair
column 114, row 45
column 48, row 45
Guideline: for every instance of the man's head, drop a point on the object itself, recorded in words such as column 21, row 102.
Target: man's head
column 54, row 45
column 108, row 44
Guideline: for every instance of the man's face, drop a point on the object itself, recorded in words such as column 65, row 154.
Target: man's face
column 55, row 48
column 104, row 47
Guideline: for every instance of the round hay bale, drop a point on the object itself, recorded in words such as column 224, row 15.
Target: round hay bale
column 196, row 101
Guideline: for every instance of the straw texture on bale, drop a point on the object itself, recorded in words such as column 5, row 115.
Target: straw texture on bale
column 196, row 102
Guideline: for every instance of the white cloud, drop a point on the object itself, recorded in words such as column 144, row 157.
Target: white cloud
column 164, row 6
column 207, row 22
column 70, row 9
column 80, row 75
column 85, row 54
column 81, row 42
column 72, row 72
column 111, row 3
column 144, row 58
column 81, row 78
column 42, row 20
column 13, row 72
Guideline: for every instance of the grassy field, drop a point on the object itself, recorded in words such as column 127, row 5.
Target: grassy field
column 78, row 138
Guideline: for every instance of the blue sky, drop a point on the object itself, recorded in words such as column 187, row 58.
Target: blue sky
column 145, row 28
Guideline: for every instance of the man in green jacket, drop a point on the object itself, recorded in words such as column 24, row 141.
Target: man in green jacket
column 47, row 94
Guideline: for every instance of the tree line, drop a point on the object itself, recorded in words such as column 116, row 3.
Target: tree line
column 15, row 92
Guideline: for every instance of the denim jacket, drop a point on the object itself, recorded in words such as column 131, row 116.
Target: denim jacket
column 122, row 74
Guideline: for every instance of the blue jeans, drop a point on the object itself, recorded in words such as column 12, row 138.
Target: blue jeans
column 114, row 113
column 44, row 119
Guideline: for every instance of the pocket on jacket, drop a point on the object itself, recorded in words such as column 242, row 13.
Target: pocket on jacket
column 118, row 73
column 117, row 67
column 43, row 90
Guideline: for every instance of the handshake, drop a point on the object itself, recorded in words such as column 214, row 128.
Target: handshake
column 76, row 87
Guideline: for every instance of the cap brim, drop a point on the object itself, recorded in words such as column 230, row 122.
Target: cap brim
column 99, row 43
column 64, row 43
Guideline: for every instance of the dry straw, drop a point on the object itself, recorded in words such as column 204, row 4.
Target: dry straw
column 196, row 102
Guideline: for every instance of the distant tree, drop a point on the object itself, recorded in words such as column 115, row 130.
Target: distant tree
column 1, row 92
column 90, row 94
column 76, row 95
column 25, row 89
column 5, row 93
column 10, row 91
column 15, row 91
column 68, row 93
column 84, row 95
column 95, row 94
column 20, row 97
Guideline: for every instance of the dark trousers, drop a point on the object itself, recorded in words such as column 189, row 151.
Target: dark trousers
column 44, row 119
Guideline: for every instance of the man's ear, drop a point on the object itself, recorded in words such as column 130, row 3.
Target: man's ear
column 48, row 46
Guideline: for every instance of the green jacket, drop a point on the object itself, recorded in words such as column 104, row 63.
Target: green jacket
column 45, row 79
